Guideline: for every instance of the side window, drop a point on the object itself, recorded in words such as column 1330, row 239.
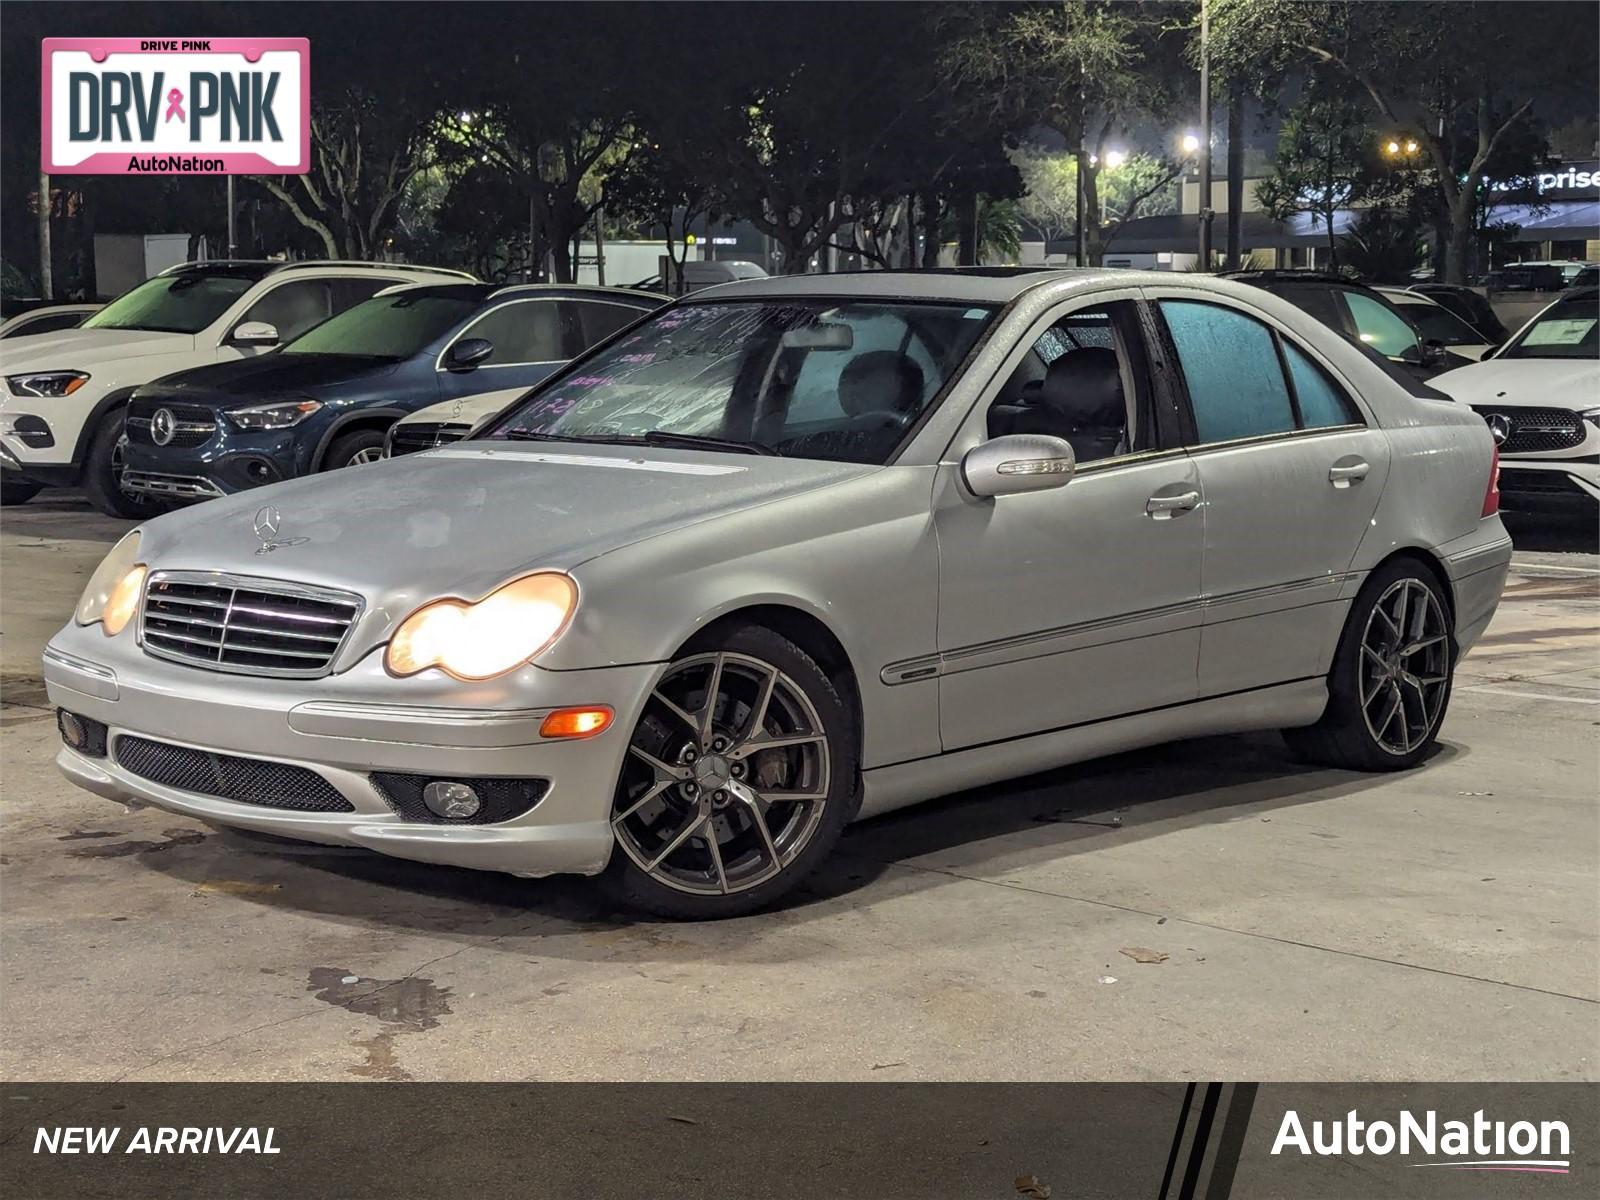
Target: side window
column 597, row 321
column 293, row 308
column 1074, row 384
column 1230, row 362
column 1319, row 302
column 1321, row 401
column 1386, row 332
column 347, row 293
column 527, row 331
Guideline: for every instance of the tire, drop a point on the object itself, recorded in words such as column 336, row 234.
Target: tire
column 679, row 782
column 18, row 491
column 102, row 474
column 1361, row 730
column 354, row 447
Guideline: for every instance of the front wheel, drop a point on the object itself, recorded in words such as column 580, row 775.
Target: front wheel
column 353, row 449
column 1390, row 682
column 738, row 780
column 102, row 474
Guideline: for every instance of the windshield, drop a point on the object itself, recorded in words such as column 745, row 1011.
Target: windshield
column 828, row 379
column 184, row 303
column 1564, row 330
column 389, row 327
column 1436, row 324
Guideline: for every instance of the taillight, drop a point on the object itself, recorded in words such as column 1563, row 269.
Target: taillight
column 1491, row 495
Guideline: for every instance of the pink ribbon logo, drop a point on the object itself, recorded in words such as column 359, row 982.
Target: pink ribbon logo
column 175, row 105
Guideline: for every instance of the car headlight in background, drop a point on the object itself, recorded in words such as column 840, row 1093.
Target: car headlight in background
column 47, row 384
column 1591, row 415
column 273, row 416
column 497, row 634
column 112, row 594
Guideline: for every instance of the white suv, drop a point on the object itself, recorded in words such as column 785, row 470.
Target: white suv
column 65, row 393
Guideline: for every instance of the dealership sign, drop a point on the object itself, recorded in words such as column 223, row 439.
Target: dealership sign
column 170, row 106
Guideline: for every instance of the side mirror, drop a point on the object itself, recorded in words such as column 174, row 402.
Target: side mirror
column 468, row 353
column 1018, row 462
column 1434, row 354
column 255, row 333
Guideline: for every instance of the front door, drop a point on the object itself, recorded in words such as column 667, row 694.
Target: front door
column 1069, row 606
column 531, row 338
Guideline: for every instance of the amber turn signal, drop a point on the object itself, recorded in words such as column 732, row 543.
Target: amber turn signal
column 576, row 722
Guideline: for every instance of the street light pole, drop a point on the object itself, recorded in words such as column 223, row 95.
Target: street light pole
column 233, row 236
column 1205, row 136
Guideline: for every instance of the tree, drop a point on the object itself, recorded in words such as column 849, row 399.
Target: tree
column 1087, row 69
column 1136, row 185
column 1324, row 164
column 1457, row 77
column 365, row 151
column 1383, row 246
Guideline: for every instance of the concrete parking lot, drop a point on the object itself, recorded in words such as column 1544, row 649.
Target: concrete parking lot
column 1305, row 924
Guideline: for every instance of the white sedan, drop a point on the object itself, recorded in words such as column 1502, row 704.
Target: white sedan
column 1540, row 395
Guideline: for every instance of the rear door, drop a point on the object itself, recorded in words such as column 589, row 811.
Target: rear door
column 1290, row 471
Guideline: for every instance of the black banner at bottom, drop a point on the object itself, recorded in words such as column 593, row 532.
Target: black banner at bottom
column 1161, row 1141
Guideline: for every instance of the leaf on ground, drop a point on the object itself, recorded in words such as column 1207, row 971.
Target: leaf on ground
column 1143, row 954
column 1032, row 1186
column 683, row 1120
column 236, row 887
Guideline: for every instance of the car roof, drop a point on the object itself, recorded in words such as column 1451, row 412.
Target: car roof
column 490, row 291
column 260, row 268
column 986, row 285
column 1402, row 295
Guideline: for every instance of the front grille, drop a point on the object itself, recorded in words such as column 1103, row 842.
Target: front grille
column 228, row 777
column 1533, row 430
column 192, row 424
column 411, row 436
column 502, row 798
column 88, row 734
column 177, row 487
column 243, row 625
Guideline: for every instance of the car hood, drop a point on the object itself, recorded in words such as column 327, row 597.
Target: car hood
column 248, row 379
column 463, row 520
column 71, row 349
column 468, row 410
column 1540, row 382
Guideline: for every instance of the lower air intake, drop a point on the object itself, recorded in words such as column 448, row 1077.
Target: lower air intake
column 228, row 777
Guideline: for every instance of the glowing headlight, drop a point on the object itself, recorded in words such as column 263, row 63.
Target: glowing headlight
column 112, row 595
column 46, row 384
column 479, row 641
column 273, row 416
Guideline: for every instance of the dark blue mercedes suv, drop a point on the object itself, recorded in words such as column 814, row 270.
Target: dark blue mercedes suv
column 326, row 399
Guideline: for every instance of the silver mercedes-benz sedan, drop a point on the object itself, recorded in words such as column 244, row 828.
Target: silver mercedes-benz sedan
column 798, row 551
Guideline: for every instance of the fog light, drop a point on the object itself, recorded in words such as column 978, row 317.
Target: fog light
column 455, row 801
column 73, row 731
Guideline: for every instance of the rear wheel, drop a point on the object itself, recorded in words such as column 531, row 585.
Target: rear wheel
column 739, row 779
column 1390, row 683
column 353, row 449
column 18, row 491
column 102, row 474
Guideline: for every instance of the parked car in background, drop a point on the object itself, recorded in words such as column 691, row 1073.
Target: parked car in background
column 1531, row 276
column 1359, row 312
column 66, row 393
column 327, row 399
column 1437, row 324
column 1588, row 277
column 1540, row 395
column 51, row 318
column 1470, row 305
column 704, row 274
column 804, row 550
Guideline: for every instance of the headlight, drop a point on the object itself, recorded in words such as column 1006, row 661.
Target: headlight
column 1591, row 415
column 479, row 641
column 112, row 596
column 273, row 416
column 46, row 384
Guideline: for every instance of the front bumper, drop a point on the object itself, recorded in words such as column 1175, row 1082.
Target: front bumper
column 1550, row 485
column 228, row 461
column 346, row 727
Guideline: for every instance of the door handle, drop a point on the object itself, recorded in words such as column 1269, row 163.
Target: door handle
column 1348, row 472
column 1164, row 508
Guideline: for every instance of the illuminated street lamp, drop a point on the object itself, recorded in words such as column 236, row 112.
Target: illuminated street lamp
column 1190, row 143
column 1115, row 158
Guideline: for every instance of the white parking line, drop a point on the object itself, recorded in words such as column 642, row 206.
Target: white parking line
column 1532, row 695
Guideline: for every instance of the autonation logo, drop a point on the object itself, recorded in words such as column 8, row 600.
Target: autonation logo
column 1477, row 1145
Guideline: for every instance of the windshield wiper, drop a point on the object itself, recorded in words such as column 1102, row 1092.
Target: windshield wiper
column 662, row 437
column 533, row 435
